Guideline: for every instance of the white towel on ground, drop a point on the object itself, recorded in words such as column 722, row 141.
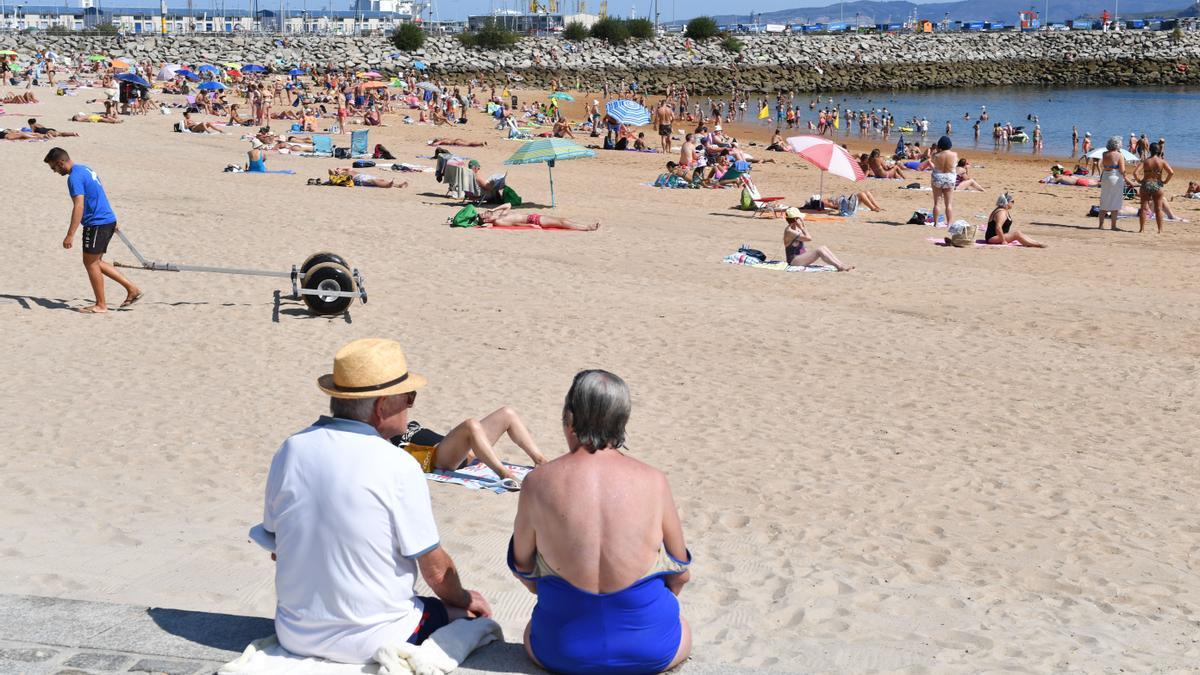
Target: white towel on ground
column 442, row 653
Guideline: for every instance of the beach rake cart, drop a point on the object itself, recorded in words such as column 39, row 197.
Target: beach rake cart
column 325, row 282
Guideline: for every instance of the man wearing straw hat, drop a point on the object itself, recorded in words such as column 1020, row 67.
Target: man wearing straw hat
column 352, row 523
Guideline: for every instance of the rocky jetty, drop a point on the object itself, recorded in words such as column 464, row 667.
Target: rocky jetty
column 766, row 63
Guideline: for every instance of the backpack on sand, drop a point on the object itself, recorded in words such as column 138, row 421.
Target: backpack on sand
column 467, row 216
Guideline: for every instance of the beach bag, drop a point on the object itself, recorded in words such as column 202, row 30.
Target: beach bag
column 363, row 164
column 467, row 216
column 510, row 196
column 341, row 180
column 919, row 217
column 747, row 201
column 382, row 152
column 341, row 153
column 753, row 253
column 962, row 234
column 424, row 454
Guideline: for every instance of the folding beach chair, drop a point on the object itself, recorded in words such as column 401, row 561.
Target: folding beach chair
column 322, row 145
column 516, row 134
column 763, row 207
column 359, row 146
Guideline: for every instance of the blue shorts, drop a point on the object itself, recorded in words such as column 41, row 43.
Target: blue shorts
column 434, row 617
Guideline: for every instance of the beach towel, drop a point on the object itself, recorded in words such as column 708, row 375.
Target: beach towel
column 979, row 243
column 747, row 260
column 477, row 475
column 441, row 653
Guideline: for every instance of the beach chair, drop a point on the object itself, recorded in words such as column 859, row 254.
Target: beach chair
column 359, row 145
column 322, row 145
column 515, row 133
column 763, row 207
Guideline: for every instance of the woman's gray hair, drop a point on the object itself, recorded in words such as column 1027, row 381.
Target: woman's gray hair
column 1004, row 200
column 597, row 407
column 1113, row 143
column 357, row 409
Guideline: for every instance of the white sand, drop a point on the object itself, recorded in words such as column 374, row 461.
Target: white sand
column 965, row 460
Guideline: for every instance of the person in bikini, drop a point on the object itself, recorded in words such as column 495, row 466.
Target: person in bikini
column 364, row 179
column 457, row 142
column 944, row 179
column 96, row 119
column 1153, row 176
column 878, row 170
column 795, row 235
column 198, row 127
column 472, row 439
column 502, row 215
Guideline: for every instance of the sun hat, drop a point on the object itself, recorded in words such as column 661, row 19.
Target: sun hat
column 369, row 368
column 255, row 143
column 793, row 213
column 473, row 164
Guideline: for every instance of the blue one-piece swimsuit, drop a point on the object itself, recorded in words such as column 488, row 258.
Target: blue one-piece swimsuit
column 633, row 630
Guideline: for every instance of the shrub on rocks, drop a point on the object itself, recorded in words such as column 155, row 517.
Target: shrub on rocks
column 702, row 28
column 642, row 29
column 614, row 31
column 491, row 36
column 408, row 37
column 732, row 44
column 575, row 32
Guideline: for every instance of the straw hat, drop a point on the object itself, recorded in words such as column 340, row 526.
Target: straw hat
column 793, row 213
column 369, row 368
column 255, row 143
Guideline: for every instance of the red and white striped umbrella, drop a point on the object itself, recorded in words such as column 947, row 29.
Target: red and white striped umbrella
column 827, row 156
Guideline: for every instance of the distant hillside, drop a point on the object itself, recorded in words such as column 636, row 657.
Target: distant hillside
column 894, row 11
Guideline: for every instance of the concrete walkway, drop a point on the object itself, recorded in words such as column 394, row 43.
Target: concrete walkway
column 51, row 636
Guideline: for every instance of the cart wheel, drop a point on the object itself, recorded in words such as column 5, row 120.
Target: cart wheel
column 323, row 257
column 328, row 276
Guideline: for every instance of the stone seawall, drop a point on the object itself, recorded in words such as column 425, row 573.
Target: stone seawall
column 767, row 63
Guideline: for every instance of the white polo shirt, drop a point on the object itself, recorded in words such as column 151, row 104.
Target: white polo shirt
column 351, row 514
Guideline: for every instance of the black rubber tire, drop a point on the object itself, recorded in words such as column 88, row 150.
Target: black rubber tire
column 330, row 274
column 323, row 257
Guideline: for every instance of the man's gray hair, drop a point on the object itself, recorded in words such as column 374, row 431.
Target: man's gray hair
column 597, row 407
column 357, row 409
column 1114, row 143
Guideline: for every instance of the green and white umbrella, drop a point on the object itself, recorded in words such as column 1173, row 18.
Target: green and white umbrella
column 97, row 58
column 561, row 96
column 548, row 150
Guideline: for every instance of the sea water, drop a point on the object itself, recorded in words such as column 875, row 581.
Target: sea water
column 1172, row 113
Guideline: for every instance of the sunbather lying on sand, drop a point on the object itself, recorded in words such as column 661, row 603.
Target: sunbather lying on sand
column 502, row 215
column 833, row 205
column 364, row 179
column 47, row 131
column 97, row 119
column 474, row 439
column 198, row 127
column 457, row 141
column 16, row 135
column 19, row 98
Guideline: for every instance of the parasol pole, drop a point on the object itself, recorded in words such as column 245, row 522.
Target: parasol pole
column 550, row 166
column 821, row 190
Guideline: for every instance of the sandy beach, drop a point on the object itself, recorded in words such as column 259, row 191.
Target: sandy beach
column 947, row 460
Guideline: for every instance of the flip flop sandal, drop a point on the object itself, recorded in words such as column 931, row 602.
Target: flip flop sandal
column 89, row 310
column 510, row 484
column 133, row 299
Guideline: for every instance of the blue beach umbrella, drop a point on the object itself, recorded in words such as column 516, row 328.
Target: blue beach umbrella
column 211, row 86
column 627, row 112
column 206, row 68
column 188, row 74
column 253, row 68
column 132, row 79
column 295, row 71
column 420, row 65
column 548, row 150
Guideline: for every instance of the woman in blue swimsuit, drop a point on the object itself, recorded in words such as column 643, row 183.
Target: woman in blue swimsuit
column 597, row 537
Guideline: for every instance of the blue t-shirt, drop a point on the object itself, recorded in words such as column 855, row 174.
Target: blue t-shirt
column 96, row 210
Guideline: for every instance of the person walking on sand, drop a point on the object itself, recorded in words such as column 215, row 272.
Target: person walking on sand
column 664, row 119
column 944, row 178
column 92, row 212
